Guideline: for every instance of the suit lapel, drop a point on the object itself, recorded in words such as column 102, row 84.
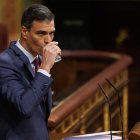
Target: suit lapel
column 22, row 56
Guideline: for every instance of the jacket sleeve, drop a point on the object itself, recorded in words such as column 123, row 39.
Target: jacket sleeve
column 21, row 95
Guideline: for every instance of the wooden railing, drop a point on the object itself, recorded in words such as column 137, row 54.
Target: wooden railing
column 79, row 105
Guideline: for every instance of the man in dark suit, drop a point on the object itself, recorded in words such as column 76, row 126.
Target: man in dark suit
column 25, row 95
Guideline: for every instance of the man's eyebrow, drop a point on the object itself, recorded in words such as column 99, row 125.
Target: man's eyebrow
column 44, row 32
column 41, row 32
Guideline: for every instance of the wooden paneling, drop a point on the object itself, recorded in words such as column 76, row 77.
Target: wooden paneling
column 10, row 15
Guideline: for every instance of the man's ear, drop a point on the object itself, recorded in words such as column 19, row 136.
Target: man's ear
column 24, row 32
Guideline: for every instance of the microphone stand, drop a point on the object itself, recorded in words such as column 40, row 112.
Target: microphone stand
column 119, row 102
column 109, row 109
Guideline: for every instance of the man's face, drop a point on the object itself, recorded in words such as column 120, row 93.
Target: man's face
column 40, row 34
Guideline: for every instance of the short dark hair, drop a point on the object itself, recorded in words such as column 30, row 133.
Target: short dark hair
column 36, row 12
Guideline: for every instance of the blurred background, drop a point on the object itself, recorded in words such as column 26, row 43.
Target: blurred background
column 89, row 25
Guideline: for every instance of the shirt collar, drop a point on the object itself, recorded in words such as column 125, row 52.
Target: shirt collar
column 30, row 56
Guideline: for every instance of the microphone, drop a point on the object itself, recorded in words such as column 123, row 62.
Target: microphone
column 109, row 109
column 119, row 103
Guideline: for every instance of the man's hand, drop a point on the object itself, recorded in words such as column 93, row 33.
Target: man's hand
column 50, row 51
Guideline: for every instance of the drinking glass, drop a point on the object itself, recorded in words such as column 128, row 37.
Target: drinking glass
column 58, row 58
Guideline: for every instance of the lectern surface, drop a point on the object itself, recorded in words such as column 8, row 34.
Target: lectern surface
column 95, row 136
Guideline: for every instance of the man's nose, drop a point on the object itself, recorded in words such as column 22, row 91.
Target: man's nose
column 48, row 39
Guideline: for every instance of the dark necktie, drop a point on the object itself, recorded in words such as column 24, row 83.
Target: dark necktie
column 36, row 64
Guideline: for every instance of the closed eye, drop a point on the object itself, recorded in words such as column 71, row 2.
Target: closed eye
column 44, row 33
column 41, row 32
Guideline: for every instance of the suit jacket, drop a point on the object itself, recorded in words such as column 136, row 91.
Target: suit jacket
column 25, row 99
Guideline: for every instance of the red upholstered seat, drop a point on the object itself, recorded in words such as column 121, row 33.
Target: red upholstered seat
column 3, row 37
